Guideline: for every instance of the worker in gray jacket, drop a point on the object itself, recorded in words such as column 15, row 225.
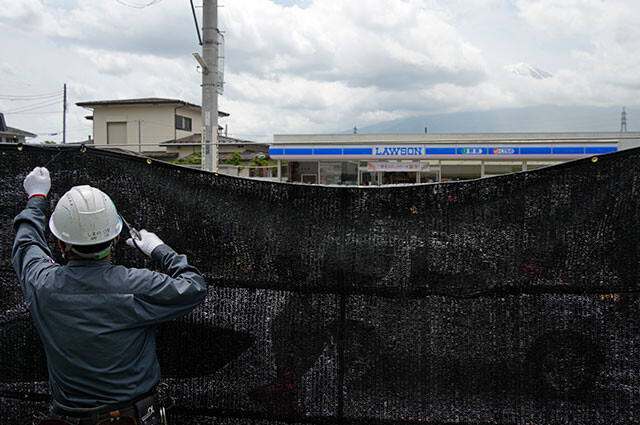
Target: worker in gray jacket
column 97, row 321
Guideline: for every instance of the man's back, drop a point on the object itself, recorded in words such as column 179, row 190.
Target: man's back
column 97, row 321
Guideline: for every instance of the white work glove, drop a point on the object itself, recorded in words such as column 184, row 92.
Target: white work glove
column 37, row 182
column 147, row 243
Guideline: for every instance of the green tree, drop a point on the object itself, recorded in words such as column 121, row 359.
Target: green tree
column 193, row 159
column 235, row 159
column 260, row 161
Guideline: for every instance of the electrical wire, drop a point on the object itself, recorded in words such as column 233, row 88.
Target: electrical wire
column 32, row 113
column 30, row 96
column 33, row 107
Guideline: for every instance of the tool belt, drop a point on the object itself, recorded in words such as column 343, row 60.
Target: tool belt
column 143, row 410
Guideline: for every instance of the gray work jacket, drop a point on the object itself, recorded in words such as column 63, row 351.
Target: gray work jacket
column 97, row 321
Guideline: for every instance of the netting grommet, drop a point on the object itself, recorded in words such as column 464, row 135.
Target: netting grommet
column 594, row 159
column 149, row 161
column 83, row 148
column 414, row 210
column 20, row 147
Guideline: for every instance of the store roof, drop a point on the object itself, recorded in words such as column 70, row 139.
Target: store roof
column 437, row 138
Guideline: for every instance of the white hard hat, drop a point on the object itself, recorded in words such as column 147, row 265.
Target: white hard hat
column 85, row 216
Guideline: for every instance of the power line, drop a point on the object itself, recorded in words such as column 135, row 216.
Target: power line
column 29, row 97
column 34, row 107
column 32, row 113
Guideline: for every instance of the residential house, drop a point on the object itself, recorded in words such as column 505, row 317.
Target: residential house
column 141, row 125
column 12, row 135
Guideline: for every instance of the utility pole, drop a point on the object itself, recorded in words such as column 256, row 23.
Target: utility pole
column 623, row 122
column 64, row 115
column 210, row 37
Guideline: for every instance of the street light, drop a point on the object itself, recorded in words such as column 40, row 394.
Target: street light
column 203, row 64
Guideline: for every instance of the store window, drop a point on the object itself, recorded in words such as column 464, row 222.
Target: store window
column 350, row 173
column 430, row 176
column 494, row 168
column 399, row 177
column 303, row 172
column 369, row 178
column 460, row 170
column 330, row 173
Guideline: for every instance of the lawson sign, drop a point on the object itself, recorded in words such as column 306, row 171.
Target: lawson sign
column 439, row 151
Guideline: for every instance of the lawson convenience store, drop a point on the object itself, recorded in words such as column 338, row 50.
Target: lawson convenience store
column 385, row 159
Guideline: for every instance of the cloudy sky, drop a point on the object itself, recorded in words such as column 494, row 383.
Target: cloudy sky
column 317, row 66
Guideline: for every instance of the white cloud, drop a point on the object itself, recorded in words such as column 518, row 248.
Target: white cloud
column 7, row 70
column 336, row 64
column 164, row 29
column 590, row 19
column 606, row 68
column 566, row 17
column 382, row 46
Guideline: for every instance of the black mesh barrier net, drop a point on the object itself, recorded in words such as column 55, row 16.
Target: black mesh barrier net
column 507, row 300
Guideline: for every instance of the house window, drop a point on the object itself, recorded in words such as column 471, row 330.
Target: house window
column 116, row 133
column 183, row 123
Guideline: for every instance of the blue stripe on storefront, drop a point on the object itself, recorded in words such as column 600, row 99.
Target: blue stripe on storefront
column 327, row 151
column 358, row 151
column 599, row 150
column 535, row 151
column 298, row 151
column 276, row 151
column 439, row 151
column 568, row 151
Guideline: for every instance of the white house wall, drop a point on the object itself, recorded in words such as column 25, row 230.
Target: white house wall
column 157, row 124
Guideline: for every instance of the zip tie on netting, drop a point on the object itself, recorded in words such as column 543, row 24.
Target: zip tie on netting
column 54, row 157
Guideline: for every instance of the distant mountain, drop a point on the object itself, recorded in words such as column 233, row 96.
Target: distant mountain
column 525, row 70
column 530, row 119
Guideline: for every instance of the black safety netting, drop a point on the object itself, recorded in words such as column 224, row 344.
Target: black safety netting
column 506, row 300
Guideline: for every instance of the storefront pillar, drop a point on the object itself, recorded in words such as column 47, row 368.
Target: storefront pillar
column 481, row 169
column 279, row 170
column 524, row 165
